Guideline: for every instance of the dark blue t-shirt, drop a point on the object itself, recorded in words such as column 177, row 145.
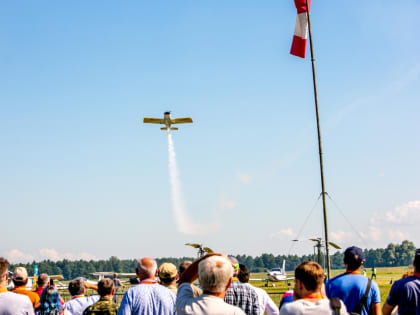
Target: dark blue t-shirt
column 350, row 288
column 406, row 294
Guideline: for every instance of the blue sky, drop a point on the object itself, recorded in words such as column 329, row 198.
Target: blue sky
column 81, row 176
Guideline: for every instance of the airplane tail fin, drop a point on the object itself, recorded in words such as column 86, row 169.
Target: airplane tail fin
column 283, row 269
column 172, row 128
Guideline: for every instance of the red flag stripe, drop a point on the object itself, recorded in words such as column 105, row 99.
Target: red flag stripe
column 301, row 29
column 298, row 47
column 301, row 6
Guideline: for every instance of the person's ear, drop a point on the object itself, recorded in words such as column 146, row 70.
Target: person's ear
column 113, row 291
column 229, row 283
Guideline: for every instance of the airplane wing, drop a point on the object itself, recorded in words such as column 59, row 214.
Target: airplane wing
column 182, row 120
column 147, row 120
column 102, row 273
column 127, row 275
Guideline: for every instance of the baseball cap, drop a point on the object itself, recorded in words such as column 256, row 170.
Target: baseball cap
column 167, row 271
column 354, row 257
column 20, row 274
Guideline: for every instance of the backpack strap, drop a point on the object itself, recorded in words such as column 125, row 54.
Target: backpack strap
column 335, row 304
column 363, row 300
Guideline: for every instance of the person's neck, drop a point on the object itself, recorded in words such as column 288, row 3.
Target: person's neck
column 3, row 285
column 220, row 295
column 312, row 295
column 147, row 278
column 356, row 271
column 169, row 284
column 107, row 297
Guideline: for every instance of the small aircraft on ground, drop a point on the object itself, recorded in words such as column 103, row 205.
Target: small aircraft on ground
column 167, row 121
column 276, row 275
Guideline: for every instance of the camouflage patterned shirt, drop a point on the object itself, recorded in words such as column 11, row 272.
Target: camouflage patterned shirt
column 102, row 307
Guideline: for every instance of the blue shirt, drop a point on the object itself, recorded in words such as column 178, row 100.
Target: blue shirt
column 406, row 294
column 350, row 288
column 148, row 299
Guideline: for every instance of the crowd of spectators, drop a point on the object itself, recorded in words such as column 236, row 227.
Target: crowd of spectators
column 223, row 288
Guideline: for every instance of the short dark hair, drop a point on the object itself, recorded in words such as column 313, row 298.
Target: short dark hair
column 310, row 274
column 19, row 282
column 184, row 266
column 105, row 287
column 4, row 266
column 416, row 261
column 42, row 280
column 354, row 257
column 76, row 286
column 243, row 274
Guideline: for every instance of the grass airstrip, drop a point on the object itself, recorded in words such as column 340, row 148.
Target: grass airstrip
column 384, row 278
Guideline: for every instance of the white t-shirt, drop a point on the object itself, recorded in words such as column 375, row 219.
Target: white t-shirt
column 15, row 304
column 187, row 304
column 302, row 306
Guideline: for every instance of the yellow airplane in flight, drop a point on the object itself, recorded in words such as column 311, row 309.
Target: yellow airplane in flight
column 167, row 121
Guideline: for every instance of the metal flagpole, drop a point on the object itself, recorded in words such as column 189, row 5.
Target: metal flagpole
column 321, row 164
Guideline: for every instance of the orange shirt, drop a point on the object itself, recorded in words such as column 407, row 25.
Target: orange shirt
column 31, row 295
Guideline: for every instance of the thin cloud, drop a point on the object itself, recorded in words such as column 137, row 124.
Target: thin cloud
column 16, row 256
column 405, row 214
column 54, row 255
column 227, row 205
column 245, row 178
column 397, row 235
column 284, row 233
column 342, row 237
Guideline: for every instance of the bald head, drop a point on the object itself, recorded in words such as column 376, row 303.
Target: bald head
column 43, row 280
column 146, row 268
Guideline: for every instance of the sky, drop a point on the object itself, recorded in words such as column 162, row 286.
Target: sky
column 81, row 177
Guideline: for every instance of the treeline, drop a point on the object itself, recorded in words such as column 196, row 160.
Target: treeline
column 391, row 256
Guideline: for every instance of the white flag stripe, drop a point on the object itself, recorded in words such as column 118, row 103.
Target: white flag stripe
column 301, row 28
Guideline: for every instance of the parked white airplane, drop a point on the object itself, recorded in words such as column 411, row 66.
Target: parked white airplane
column 167, row 121
column 275, row 275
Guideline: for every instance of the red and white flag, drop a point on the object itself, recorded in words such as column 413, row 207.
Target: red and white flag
column 301, row 29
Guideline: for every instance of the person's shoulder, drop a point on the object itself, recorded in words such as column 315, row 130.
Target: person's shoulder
column 336, row 279
column 231, row 309
column 291, row 308
column 15, row 297
column 408, row 281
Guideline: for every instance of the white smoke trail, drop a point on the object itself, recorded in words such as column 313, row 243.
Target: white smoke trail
column 182, row 221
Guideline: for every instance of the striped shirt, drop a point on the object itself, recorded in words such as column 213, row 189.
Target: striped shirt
column 243, row 296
